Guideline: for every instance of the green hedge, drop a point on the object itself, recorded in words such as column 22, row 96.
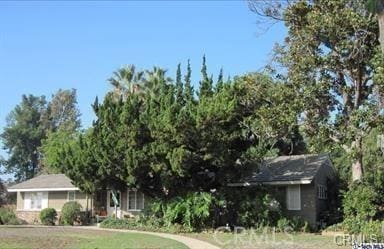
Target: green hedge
column 48, row 216
column 70, row 213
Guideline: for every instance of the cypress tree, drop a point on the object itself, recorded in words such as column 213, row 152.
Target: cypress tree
column 179, row 85
column 188, row 89
column 206, row 83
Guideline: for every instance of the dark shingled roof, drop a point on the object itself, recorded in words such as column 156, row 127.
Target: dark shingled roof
column 288, row 168
column 45, row 181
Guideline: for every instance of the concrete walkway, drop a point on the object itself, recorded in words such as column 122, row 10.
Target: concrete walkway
column 190, row 242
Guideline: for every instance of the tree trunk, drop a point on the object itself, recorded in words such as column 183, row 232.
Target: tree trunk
column 357, row 164
column 357, row 170
column 380, row 16
column 381, row 26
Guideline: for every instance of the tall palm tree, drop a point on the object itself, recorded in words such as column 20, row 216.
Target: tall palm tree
column 126, row 81
column 156, row 79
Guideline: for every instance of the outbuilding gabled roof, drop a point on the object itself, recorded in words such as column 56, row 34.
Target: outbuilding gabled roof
column 285, row 170
column 53, row 182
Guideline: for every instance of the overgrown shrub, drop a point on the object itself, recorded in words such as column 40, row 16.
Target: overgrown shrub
column 70, row 212
column 372, row 230
column 258, row 210
column 283, row 225
column 298, row 224
column 143, row 224
column 48, row 216
column 294, row 224
column 8, row 217
column 338, row 227
column 359, row 207
column 192, row 211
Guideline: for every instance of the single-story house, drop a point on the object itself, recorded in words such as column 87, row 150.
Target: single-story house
column 55, row 190
column 300, row 183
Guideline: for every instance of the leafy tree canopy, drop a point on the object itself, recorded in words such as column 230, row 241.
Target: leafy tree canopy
column 167, row 138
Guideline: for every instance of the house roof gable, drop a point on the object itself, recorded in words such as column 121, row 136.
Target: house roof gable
column 53, row 182
column 298, row 169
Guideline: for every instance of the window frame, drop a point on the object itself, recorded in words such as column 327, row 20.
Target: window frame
column 136, row 198
column 293, row 189
column 33, row 198
column 322, row 192
column 74, row 195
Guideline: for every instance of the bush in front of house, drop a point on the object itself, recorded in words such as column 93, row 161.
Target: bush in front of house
column 192, row 211
column 48, row 216
column 373, row 228
column 255, row 209
column 284, row 225
column 143, row 223
column 295, row 223
column 8, row 217
column 70, row 213
column 359, row 207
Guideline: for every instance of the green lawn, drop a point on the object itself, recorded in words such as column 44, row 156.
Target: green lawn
column 59, row 237
column 249, row 240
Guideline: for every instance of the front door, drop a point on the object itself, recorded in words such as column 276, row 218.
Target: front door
column 112, row 209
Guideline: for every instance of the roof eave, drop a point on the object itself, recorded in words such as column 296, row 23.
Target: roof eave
column 41, row 189
column 274, row 183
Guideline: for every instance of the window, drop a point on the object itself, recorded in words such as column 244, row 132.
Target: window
column 135, row 200
column 322, row 192
column 35, row 200
column 71, row 196
column 111, row 202
column 293, row 197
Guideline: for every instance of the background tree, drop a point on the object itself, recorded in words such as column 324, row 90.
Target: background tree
column 62, row 121
column 22, row 137
column 125, row 81
column 377, row 7
column 62, row 112
column 3, row 194
column 273, row 122
column 330, row 54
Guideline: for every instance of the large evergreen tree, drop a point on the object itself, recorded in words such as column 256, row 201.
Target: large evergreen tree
column 22, row 137
column 157, row 143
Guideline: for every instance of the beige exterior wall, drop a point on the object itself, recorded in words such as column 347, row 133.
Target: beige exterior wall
column 20, row 201
column 82, row 199
column 56, row 199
